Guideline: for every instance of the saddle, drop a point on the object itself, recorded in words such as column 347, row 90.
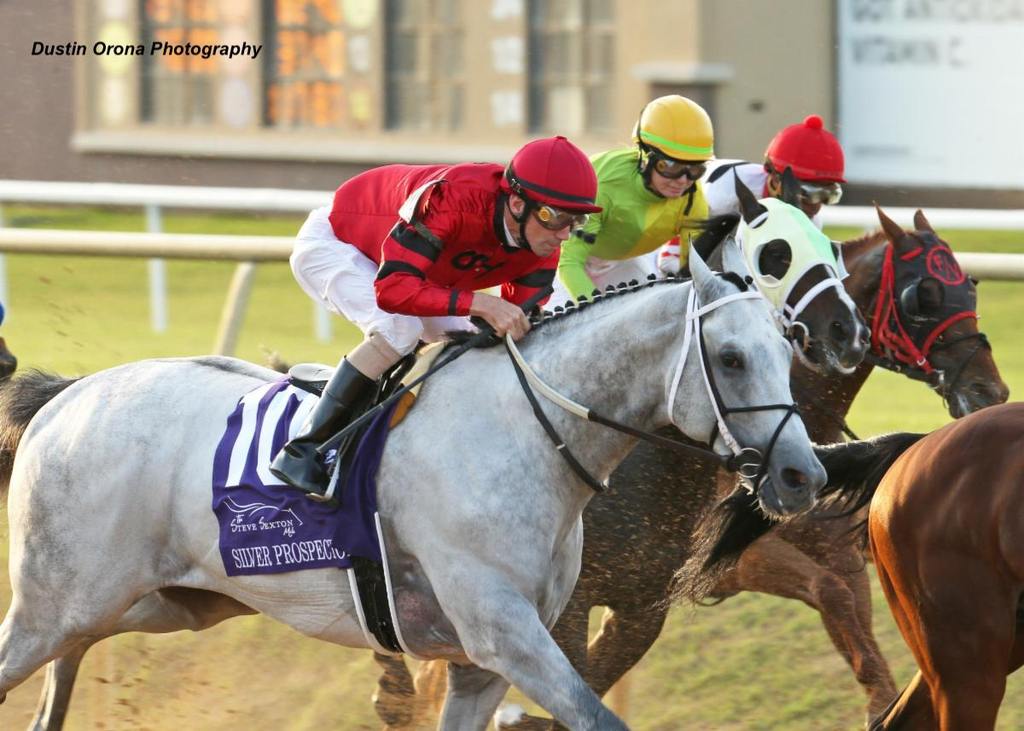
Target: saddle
column 371, row 585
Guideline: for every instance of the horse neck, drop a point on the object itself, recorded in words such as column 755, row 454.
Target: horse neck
column 825, row 400
column 614, row 358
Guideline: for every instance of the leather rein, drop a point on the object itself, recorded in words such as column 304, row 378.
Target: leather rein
column 748, row 462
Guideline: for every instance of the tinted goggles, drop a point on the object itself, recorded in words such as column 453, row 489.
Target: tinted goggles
column 821, row 193
column 555, row 219
column 668, row 167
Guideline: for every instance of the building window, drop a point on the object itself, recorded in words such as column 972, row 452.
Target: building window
column 571, row 61
column 424, row 76
column 179, row 89
column 304, row 68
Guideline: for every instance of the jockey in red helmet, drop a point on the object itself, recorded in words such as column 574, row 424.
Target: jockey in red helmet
column 811, row 151
column 402, row 251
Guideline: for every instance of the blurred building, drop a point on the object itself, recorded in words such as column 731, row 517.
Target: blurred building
column 340, row 85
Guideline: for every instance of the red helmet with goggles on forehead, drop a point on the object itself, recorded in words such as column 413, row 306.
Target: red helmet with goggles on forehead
column 553, row 172
column 810, row 150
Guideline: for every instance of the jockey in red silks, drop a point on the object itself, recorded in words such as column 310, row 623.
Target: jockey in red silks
column 810, row 150
column 404, row 248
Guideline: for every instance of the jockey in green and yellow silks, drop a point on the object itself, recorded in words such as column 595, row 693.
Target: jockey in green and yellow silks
column 649, row 194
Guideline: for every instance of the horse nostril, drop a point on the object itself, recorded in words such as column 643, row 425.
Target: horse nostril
column 839, row 331
column 793, row 479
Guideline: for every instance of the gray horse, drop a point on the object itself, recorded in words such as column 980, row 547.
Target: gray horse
column 482, row 527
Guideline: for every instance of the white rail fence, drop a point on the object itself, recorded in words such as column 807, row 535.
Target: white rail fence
column 249, row 250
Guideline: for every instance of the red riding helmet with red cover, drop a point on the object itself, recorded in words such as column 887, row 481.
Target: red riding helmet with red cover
column 554, row 172
column 810, row 150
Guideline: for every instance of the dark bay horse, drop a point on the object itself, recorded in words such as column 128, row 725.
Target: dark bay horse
column 947, row 535
column 656, row 498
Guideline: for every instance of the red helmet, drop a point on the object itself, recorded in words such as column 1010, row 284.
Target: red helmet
column 555, row 172
column 810, row 149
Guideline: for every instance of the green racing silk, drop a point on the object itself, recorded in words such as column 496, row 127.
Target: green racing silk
column 634, row 221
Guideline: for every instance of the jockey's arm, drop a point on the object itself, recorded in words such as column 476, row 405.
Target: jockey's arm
column 402, row 286
column 572, row 270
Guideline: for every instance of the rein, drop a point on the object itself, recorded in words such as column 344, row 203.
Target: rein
column 748, row 462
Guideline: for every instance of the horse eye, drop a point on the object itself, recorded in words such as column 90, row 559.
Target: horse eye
column 731, row 360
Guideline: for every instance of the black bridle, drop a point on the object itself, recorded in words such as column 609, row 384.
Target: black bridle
column 902, row 341
column 748, row 462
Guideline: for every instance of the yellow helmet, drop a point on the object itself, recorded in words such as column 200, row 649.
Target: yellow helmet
column 676, row 127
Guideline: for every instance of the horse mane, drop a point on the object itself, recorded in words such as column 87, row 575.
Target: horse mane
column 21, row 397
column 612, row 291
column 544, row 318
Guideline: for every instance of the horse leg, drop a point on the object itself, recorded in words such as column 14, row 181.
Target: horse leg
column 911, row 710
column 774, row 566
column 570, row 633
column 473, row 696
column 501, row 631
column 167, row 610
column 431, row 687
column 626, row 635
column 394, row 698
column 957, row 617
column 57, row 686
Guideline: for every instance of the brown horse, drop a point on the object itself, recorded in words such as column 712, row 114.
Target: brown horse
column 656, row 497
column 947, row 537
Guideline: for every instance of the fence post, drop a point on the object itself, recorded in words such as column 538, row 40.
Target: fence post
column 233, row 315
column 157, row 275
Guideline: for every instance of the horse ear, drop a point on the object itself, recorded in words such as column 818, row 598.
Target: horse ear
column 893, row 230
column 749, row 206
column 921, row 223
column 790, row 188
column 732, row 257
column 709, row 287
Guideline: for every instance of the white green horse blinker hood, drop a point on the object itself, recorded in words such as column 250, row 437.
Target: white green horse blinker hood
column 808, row 247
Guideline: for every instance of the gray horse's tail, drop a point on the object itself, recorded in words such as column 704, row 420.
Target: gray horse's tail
column 854, row 469
column 21, row 397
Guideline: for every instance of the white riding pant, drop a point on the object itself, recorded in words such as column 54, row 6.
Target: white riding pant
column 603, row 272
column 339, row 276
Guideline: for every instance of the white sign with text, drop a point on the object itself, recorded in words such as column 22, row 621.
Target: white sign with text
column 930, row 92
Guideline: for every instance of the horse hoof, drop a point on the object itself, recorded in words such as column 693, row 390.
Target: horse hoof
column 507, row 717
column 514, row 718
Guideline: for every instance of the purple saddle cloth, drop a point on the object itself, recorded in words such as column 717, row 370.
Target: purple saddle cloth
column 268, row 527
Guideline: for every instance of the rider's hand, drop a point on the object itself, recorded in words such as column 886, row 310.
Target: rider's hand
column 668, row 257
column 503, row 316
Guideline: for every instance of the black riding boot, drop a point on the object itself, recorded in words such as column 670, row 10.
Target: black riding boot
column 345, row 397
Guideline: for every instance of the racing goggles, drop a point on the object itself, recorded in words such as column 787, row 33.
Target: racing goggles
column 673, row 169
column 555, row 219
column 820, row 193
